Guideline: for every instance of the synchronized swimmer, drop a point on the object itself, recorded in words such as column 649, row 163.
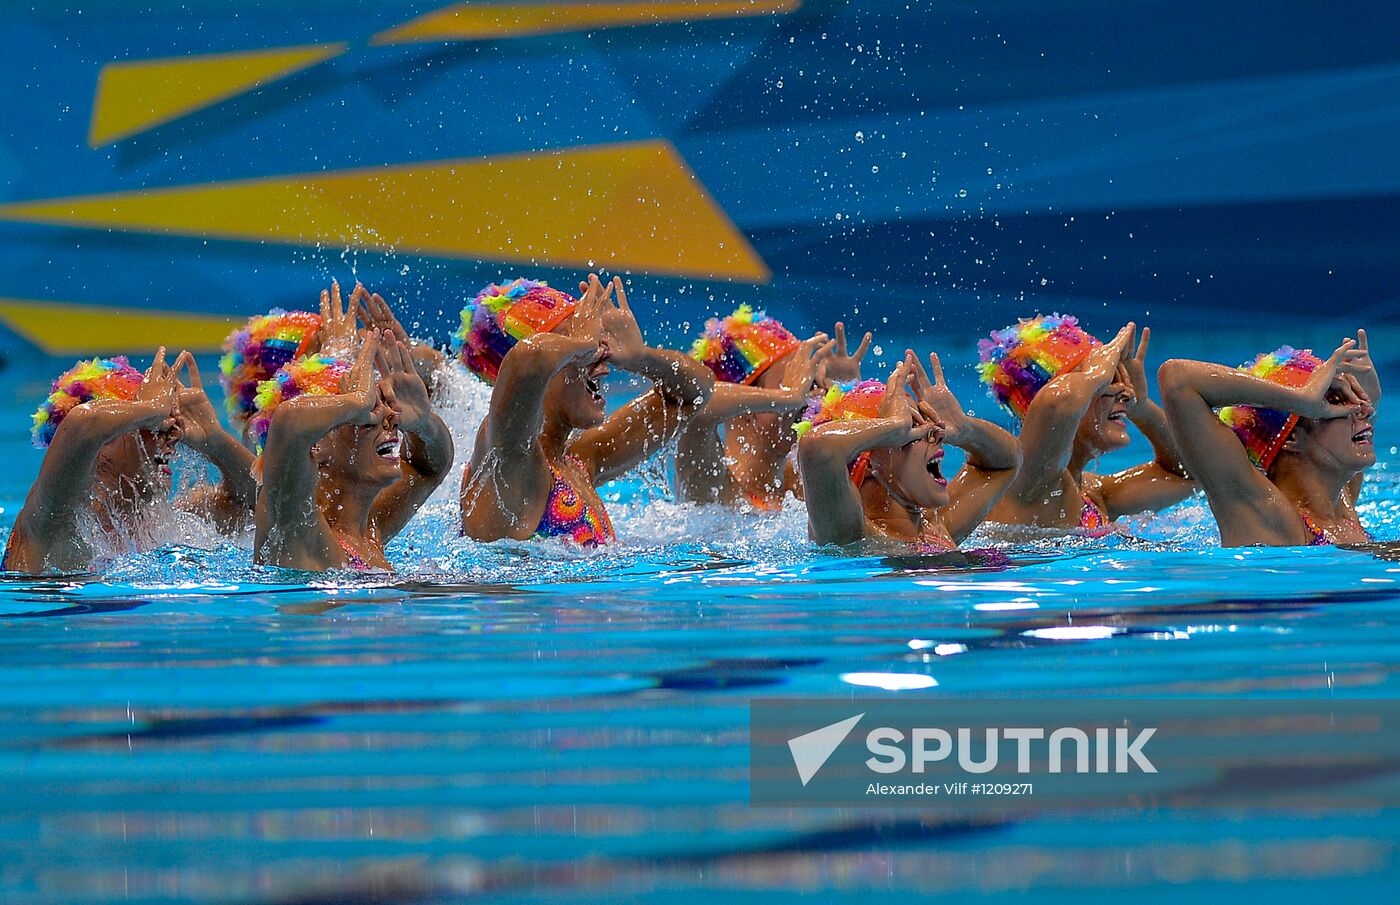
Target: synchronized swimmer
column 336, row 443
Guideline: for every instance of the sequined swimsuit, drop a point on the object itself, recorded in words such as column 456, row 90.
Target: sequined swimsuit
column 568, row 514
column 353, row 560
column 1093, row 521
column 1320, row 538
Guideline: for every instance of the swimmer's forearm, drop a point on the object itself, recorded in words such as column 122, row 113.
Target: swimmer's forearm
column 1220, row 385
column 517, row 403
column 988, row 447
column 731, row 400
column 235, row 465
column 1149, row 418
column 680, row 378
column 429, row 448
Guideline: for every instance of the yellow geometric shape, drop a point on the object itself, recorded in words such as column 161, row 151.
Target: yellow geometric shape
column 62, row 328
column 134, row 97
column 474, row 21
column 628, row 206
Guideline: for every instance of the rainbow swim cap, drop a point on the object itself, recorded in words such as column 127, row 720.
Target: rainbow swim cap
column 741, row 347
column 1019, row 361
column 1264, row 431
column 501, row 316
column 315, row 375
column 86, row 381
column 254, row 352
column 846, row 401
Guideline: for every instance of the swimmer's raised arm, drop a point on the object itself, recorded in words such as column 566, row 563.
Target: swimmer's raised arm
column 231, row 501
column 516, row 415
column 1363, row 370
column 286, row 509
column 701, row 471
column 1242, row 498
column 993, row 454
column 835, row 513
column 1052, row 419
column 46, row 534
column 1152, row 485
column 427, row 448
column 681, row 387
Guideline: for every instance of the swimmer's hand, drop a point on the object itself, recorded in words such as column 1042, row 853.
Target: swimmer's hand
column 587, row 322
column 358, row 396
column 803, row 367
column 401, row 386
column 935, row 396
column 1363, row 369
column 844, row 365
column 1134, row 373
column 200, row 421
column 1101, row 365
column 375, row 314
column 621, row 334
column 337, row 323
column 159, row 391
column 1327, row 394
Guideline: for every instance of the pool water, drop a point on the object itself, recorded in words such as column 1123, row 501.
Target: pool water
column 522, row 722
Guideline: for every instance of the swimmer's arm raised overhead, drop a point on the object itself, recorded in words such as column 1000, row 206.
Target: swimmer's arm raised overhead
column 681, row 386
column 426, row 455
column 1048, row 430
column 229, row 503
column 701, row 472
column 1244, row 501
column 1363, row 371
column 291, row 528
column 1153, row 485
column 47, row 523
column 835, row 513
column 993, row 454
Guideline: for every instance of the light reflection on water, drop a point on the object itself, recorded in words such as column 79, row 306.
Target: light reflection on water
column 523, row 722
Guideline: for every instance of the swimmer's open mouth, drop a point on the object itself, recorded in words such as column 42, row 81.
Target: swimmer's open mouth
column 163, row 465
column 1363, row 436
column 935, row 468
column 389, row 449
column 594, row 383
column 1119, row 417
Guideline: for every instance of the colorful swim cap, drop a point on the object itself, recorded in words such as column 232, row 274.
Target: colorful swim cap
column 1018, row 361
column 1264, row 431
column 741, row 347
column 316, row 375
column 254, row 352
column 846, row 401
column 100, row 378
column 501, row 316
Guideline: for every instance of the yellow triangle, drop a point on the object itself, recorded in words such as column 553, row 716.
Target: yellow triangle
column 62, row 328
column 467, row 21
column 134, row 97
column 630, row 206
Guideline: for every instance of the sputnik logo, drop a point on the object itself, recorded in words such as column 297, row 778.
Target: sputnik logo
column 811, row 751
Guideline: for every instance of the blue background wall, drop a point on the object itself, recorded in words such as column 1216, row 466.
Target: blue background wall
column 942, row 165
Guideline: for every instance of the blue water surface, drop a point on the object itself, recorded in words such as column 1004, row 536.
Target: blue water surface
column 519, row 722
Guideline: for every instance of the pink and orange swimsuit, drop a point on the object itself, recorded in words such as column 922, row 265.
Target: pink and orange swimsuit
column 568, row 514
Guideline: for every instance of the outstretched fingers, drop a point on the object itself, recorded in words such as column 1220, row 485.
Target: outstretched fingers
column 1141, row 355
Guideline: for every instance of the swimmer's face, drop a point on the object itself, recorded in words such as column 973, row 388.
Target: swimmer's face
column 362, row 453
column 1344, row 444
column 1104, row 426
column 575, row 395
column 139, row 462
column 915, row 471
